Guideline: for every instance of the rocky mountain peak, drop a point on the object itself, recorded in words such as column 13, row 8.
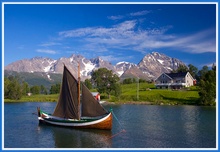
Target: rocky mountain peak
column 97, row 60
column 157, row 54
column 123, row 66
column 150, row 67
column 155, row 63
column 75, row 57
column 100, row 63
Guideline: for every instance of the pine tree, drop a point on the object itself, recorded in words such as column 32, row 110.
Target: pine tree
column 207, row 87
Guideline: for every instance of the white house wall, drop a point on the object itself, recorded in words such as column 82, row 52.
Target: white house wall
column 189, row 80
column 163, row 78
column 165, row 81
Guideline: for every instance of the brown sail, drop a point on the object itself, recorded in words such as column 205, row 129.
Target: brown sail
column 67, row 106
column 90, row 106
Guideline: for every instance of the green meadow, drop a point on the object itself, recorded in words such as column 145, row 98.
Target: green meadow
column 143, row 93
column 39, row 98
column 148, row 93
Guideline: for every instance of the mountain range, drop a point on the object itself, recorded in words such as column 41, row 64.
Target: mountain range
column 150, row 67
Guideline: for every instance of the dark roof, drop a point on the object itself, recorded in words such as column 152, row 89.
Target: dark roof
column 175, row 75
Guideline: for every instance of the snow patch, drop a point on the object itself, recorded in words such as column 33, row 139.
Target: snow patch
column 48, row 76
column 47, row 69
column 123, row 62
column 169, row 68
column 88, row 68
column 161, row 61
column 120, row 73
column 71, row 59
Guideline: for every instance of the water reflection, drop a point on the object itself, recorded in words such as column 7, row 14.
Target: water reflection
column 79, row 138
column 146, row 127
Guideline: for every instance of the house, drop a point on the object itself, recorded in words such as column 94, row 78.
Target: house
column 29, row 94
column 174, row 80
column 96, row 95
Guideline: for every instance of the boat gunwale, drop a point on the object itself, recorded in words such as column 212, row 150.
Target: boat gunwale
column 64, row 120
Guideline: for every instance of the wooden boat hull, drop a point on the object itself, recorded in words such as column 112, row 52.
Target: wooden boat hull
column 104, row 122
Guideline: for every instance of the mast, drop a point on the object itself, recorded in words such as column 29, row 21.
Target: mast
column 79, row 90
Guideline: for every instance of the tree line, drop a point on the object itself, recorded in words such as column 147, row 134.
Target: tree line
column 206, row 82
column 105, row 81
column 14, row 88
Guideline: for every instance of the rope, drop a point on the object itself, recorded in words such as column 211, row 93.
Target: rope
column 122, row 130
column 117, row 120
column 117, row 134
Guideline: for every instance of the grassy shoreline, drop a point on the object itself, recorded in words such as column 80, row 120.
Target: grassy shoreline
column 143, row 93
column 164, row 98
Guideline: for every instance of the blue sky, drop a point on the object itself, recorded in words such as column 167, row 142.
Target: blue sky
column 115, row 32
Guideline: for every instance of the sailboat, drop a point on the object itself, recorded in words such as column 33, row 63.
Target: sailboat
column 75, row 110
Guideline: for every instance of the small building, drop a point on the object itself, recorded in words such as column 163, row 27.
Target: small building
column 29, row 94
column 174, row 80
column 96, row 95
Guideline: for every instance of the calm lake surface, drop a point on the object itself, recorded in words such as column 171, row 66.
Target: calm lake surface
column 146, row 126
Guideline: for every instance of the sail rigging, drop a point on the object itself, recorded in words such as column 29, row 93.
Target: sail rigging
column 73, row 111
column 69, row 102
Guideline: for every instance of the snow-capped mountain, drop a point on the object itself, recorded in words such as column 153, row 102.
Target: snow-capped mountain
column 155, row 63
column 123, row 66
column 151, row 66
column 100, row 63
column 47, row 65
column 31, row 65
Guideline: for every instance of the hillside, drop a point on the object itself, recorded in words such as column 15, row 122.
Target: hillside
column 36, row 78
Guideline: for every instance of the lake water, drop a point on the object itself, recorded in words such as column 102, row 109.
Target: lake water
column 146, row 126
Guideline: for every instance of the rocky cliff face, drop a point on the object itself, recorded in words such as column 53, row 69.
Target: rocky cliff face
column 150, row 67
column 155, row 63
column 123, row 66
column 31, row 65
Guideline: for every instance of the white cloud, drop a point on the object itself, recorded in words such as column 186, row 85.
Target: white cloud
column 128, row 36
column 203, row 41
column 46, row 51
column 123, row 29
column 140, row 13
column 77, row 33
column 133, row 14
column 117, row 17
